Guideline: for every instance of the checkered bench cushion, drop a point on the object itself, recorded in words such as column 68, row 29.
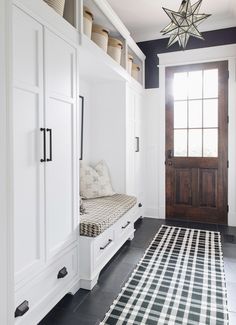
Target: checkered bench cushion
column 101, row 213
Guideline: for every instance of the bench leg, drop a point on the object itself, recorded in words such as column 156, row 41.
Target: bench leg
column 89, row 284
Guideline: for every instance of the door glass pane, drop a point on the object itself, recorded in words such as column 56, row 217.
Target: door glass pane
column 195, row 114
column 210, row 82
column 195, row 143
column 180, row 115
column 210, row 142
column 180, row 86
column 195, row 84
column 210, row 113
column 180, row 143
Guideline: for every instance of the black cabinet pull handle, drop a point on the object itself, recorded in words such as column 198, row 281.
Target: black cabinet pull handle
column 44, row 144
column 62, row 273
column 140, row 205
column 128, row 223
column 109, row 242
column 50, row 144
column 22, row 309
column 137, row 145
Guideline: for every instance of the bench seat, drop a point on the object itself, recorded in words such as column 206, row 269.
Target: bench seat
column 101, row 213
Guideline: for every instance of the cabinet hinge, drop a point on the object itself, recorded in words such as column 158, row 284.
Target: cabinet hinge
column 227, row 74
column 227, row 208
column 228, row 119
column 227, row 164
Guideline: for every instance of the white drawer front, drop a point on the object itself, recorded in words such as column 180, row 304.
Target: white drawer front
column 103, row 246
column 54, row 279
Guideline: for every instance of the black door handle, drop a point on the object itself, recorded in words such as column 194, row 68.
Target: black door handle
column 50, row 144
column 44, row 144
column 137, row 145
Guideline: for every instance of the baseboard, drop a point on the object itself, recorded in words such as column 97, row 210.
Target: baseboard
column 232, row 219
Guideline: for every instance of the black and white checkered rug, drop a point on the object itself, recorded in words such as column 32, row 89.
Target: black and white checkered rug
column 180, row 280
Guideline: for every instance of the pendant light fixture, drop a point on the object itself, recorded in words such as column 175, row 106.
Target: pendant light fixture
column 184, row 23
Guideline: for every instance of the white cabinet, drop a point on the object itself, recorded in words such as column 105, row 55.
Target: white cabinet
column 60, row 117
column 45, row 167
column 134, row 144
column 28, row 117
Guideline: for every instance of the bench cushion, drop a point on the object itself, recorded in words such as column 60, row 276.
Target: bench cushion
column 103, row 212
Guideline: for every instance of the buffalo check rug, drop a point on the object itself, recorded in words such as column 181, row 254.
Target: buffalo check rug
column 179, row 280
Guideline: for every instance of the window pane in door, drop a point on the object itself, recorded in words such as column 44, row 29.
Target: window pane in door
column 180, row 86
column 195, row 114
column 180, row 115
column 210, row 83
column 180, row 143
column 195, row 143
column 195, row 84
column 210, row 113
column 210, row 143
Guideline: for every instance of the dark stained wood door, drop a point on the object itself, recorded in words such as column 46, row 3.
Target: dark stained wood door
column 196, row 142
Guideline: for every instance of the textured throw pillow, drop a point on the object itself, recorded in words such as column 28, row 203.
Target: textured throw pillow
column 95, row 182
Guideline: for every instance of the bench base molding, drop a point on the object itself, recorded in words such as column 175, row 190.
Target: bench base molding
column 95, row 252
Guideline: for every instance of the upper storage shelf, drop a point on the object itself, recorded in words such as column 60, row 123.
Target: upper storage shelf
column 108, row 45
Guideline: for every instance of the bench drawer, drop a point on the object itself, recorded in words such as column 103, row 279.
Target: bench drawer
column 103, row 245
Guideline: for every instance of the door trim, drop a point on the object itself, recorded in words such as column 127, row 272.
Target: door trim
column 219, row 53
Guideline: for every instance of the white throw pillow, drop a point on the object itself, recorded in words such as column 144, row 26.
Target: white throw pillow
column 95, row 182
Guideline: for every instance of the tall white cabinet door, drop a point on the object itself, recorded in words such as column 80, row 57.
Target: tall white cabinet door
column 27, row 120
column 60, row 119
column 130, row 143
column 139, row 150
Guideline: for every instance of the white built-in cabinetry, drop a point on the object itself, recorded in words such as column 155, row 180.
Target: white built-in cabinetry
column 45, row 171
column 49, row 57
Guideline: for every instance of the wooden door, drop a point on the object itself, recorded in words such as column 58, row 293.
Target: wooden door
column 28, row 170
column 196, row 142
column 60, row 120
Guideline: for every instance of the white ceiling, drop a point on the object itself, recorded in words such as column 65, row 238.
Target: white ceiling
column 145, row 18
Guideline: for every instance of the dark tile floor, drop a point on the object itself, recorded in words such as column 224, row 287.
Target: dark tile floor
column 89, row 307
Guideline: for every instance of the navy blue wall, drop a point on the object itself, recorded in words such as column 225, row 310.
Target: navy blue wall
column 152, row 48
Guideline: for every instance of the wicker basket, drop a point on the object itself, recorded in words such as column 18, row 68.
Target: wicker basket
column 57, row 5
column 130, row 63
column 135, row 71
column 115, row 47
column 88, row 21
column 100, row 36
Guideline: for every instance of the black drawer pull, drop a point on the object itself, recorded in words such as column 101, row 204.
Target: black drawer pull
column 109, row 242
column 140, row 205
column 22, row 309
column 128, row 223
column 62, row 273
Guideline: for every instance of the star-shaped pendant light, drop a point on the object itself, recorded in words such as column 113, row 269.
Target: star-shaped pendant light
column 184, row 23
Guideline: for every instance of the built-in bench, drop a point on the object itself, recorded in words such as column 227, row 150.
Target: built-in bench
column 107, row 223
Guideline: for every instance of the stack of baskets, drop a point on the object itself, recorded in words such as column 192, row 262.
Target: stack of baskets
column 112, row 46
column 100, row 35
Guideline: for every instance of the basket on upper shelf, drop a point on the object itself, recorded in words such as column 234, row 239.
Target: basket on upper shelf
column 57, row 5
